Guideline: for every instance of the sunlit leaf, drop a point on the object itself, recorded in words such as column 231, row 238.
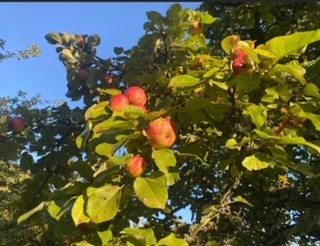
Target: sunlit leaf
column 97, row 110
column 243, row 200
column 78, row 212
column 294, row 70
column 258, row 114
column 102, row 203
column 171, row 239
column 290, row 44
column 105, row 236
column 184, row 81
column 164, row 158
column 311, row 90
column 137, row 236
column 152, row 192
column 26, row 215
column 206, row 18
column 256, row 162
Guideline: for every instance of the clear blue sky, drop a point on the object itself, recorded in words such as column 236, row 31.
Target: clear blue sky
column 23, row 24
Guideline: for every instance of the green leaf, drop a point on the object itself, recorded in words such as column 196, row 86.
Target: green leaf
column 119, row 160
column 281, row 157
column 117, row 50
column 311, row 90
column 164, row 158
column 78, row 212
column 206, row 18
column 97, row 110
column 233, row 144
column 285, row 140
column 94, row 40
column 243, row 200
column 184, row 81
column 314, row 118
column 152, row 192
column 53, row 38
column 229, row 42
column 26, row 161
column 103, row 203
column 55, row 210
column 290, row 44
column 111, row 92
column 140, row 236
column 211, row 72
column 245, row 83
column 294, row 70
column 154, row 16
column 105, row 236
column 83, row 243
column 66, row 56
column 171, row 239
column 256, row 162
column 258, row 114
column 83, row 137
column 27, row 215
column 111, row 123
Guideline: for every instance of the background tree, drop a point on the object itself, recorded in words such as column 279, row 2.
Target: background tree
column 245, row 121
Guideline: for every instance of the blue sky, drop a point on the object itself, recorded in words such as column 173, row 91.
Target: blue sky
column 23, row 24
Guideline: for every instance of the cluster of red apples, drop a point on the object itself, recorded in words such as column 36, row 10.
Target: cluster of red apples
column 160, row 132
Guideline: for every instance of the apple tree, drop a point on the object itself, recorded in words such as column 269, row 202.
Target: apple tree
column 231, row 136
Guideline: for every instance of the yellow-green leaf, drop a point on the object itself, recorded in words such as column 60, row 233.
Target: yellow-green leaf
column 103, row 203
column 171, row 239
column 184, row 81
column 256, row 162
column 78, row 212
column 152, row 192
column 26, row 215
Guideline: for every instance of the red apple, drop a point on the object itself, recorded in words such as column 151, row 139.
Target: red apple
column 84, row 73
column 119, row 102
column 241, row 63
column 136, row 166
column 107, row 78
column 161, row 133
column 136, row 95
column 17, row 124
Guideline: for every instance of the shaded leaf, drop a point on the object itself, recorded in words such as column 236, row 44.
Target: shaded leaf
column 94, row 40
column 53, row 38
column 117, row 50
